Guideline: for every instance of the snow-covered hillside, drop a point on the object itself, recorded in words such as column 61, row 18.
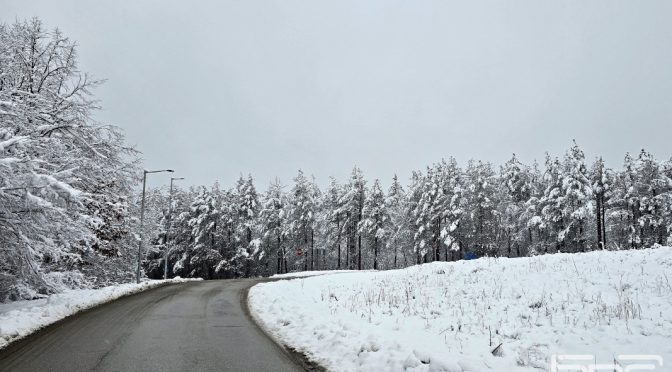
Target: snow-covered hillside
column 454, row 316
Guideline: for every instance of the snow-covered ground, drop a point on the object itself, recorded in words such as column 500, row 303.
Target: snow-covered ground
column 305, row 274
column 21, row 318
column 452, row 316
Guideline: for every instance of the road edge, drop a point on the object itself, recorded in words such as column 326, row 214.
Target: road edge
column 14, row 342
column 298, row 357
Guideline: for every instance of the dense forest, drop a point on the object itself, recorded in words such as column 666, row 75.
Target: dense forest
column 446, row 212
column 69, row 200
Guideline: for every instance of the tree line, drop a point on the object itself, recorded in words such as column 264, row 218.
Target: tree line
column 446, row 212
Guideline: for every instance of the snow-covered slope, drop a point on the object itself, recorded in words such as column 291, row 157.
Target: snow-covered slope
column 451, row 316
column 21, row 318
column 305, row 274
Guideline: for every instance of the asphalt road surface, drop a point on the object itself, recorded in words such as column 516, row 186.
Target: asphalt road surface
column 194, row 326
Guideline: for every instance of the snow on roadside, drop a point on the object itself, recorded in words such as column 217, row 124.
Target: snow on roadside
column 305, row 274
column 452, row 316
column 21, row 318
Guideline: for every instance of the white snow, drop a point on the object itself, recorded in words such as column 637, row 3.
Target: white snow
column 21, row 318
column 451, row 316
column 305, row 274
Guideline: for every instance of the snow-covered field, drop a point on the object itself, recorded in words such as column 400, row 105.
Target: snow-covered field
column 452, row 316
column 21, row 318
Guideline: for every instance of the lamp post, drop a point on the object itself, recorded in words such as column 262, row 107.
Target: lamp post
column 142, row 218
column 170, row 214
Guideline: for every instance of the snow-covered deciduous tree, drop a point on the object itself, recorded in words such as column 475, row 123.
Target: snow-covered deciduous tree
column 76, row 174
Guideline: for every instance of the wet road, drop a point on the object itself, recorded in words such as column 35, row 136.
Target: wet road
column 194, row 326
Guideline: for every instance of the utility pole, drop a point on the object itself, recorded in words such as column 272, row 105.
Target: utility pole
column 170, row 214
column 142, row 218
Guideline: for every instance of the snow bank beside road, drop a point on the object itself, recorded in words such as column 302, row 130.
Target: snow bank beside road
column 451, row 316
column 305, row 274
column 21, row 318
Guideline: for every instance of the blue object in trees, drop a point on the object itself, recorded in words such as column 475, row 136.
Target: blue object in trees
column 469, row 255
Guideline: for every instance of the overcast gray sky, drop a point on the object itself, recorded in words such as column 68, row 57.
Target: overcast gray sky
column 215, row 88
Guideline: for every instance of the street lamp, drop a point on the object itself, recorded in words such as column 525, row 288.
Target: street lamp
column 142, row 217
column 170, row 213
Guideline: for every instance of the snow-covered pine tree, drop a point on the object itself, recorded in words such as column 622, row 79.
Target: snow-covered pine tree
column 375, row 221
column 516, row 192
column 248, row 210
column 204, row 216
column 667, row 211
column 652, row 188
column 416, row 225
column 273, row 223
column 575, row 200
column 480, row 197
column 430, row 211
column 600, row 185
column 334, row 219
column 352, row 206
column 316, row 196
column 451, row 207
column 396, row 204
column 302, row 217
column 551, row 207
column 530, row 221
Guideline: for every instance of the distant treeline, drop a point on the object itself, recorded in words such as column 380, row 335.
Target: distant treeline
column 446, row 212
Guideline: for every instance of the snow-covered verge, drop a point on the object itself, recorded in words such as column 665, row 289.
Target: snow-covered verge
column 21, row 318
column 452, row 316
column 305, row 274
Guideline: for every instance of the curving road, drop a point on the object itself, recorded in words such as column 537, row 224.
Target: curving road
column 194, row 326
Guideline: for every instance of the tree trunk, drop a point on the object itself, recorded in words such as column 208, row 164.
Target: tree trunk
column 359, row 252
column 284, row 258
column 347, row 252
column 375, row 253
column 508, row 239
column 279, row 256
column 305, row 250
column 338, row 241
column 598, row 214
column 437, row 244
column 352, row 245
column 312, row 249
column 604, row 225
